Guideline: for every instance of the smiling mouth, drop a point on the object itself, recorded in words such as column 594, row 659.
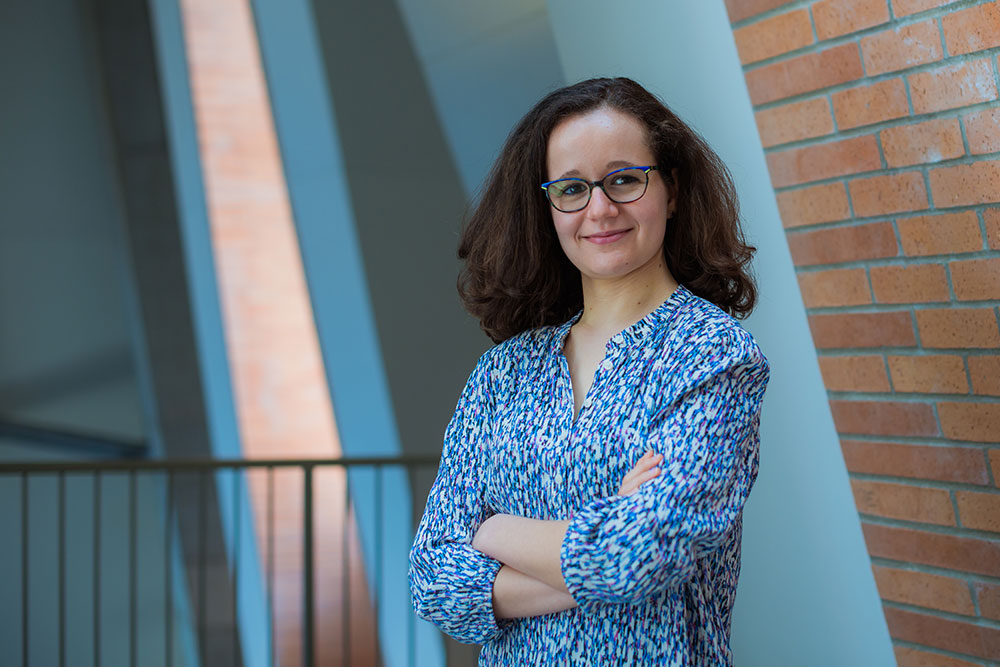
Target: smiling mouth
column 607, row 237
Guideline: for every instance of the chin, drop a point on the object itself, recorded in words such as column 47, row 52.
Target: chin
column 611, row 268
column 608, row 272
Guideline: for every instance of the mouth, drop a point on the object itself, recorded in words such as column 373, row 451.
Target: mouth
column 607, row 237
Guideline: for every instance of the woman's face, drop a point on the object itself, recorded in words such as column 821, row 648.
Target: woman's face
column 606, row 239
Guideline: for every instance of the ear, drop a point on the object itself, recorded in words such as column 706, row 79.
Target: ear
column 672, row 191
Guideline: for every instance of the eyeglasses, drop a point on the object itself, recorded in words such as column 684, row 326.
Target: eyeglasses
column 621, row 186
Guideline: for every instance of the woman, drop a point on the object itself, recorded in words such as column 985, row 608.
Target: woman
column 588, row 505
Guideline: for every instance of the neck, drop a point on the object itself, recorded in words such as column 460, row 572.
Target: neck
column 612, row 304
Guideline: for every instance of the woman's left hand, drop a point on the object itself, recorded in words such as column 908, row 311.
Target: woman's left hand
column 643, row 471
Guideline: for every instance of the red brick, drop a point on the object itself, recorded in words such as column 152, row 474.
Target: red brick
column 911, row 657
column 839, row 17
column 966, row 184
column 991, row 217
column 975, row 422
column 958, row 636
column 967, row 554
column 989, row 599
column 946, row 234
column 814, row 204
column 979, row 510
column 952, row 86
column 946, row 464
column 928, row 374
column 985, row 374
column 995, row 464
column 900, row 48
column 917, row 283
column 976, row 279
column 892, row 193
column 904, row 502
column 792, row 122
column 933, row 141
column 847, row 330
column 958, row 327
column 854, row 373
column 843, row 244
column 814, row 163
column 804, row 73
column 773, row 36
column 873, row 103
column 884, row 418
column 972, row 29
column 837, row 287
column 902, row 8
column 924, row 589
column 744, row 9
column 982, row 129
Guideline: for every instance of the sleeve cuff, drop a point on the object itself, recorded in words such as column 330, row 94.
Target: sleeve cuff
column 485, row 625
column 579, row 561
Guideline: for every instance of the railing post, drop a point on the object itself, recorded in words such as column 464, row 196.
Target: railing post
column 24, row 569
column 345, row 596
column 272, row 648
column 62, row 568
column 307, row 569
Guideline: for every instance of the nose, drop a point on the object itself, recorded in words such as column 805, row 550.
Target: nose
column 600, row 205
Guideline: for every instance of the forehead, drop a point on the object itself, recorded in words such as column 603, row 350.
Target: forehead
column 592, row 141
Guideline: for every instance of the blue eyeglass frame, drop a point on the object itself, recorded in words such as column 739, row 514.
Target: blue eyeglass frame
column 600, row 184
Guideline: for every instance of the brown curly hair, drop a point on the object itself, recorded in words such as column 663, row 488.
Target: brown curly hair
column 517, row 277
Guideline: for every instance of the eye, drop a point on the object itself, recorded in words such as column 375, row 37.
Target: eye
column 568, row 188
column 624, row 179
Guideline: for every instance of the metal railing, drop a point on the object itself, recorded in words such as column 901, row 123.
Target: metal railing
column 201, row 542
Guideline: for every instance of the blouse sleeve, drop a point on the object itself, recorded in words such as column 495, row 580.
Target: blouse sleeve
column 452, row 583
column 625, row 549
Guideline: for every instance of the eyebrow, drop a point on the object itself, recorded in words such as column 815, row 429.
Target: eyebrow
column 611, row 166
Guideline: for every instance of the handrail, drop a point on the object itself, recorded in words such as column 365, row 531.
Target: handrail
column 202, row 464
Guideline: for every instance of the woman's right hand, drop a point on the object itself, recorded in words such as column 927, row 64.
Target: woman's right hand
column 643, row 471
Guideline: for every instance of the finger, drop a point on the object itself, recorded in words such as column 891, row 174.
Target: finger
column 630, row 475
column 645, row 464
column 646, row 476
column 648, row 459
column 632, row 485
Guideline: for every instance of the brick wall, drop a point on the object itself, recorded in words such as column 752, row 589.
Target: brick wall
column 881, row 124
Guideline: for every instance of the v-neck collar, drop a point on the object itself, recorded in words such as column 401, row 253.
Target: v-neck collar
column 632, row 334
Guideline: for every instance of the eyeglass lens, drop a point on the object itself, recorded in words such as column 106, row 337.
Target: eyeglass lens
column 573, row 194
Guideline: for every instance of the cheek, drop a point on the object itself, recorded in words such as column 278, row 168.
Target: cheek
column 565, row 229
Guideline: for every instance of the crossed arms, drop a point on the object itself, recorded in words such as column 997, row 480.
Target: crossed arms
column 531, row 583
column 469, row 567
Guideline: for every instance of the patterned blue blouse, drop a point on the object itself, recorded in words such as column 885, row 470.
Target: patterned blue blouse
column 654, row 573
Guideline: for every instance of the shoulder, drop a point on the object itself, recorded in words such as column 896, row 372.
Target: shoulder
column 513, row 358
column 527, row 347
column 705, row 339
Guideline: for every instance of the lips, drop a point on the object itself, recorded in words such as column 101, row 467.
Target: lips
column 607, row 237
